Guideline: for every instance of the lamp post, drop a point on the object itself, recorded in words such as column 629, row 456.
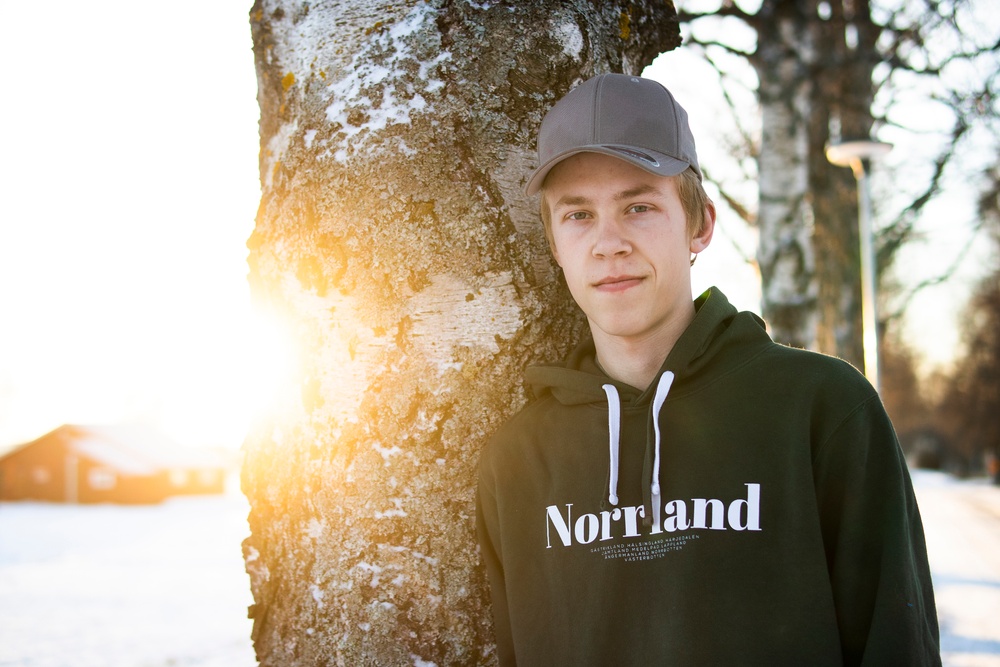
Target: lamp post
column 858, row 156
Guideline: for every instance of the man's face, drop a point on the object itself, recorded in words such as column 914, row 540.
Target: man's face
column 620, row 235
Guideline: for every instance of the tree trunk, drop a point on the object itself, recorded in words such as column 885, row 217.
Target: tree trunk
column 394, row 236
column 815, row 74
column 844, row 94
column 785, row 253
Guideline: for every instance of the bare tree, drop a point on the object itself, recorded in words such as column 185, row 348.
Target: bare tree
column 394, row 236
column 831, row 70
column 969, row 410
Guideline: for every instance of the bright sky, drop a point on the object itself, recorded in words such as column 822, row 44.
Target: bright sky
column 128, row 189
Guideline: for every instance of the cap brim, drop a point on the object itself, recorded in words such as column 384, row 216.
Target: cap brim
column 652, row 161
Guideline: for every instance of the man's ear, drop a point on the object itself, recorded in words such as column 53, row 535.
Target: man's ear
column 703, row 237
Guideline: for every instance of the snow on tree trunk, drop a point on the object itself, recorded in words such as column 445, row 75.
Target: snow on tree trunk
column 393, row 235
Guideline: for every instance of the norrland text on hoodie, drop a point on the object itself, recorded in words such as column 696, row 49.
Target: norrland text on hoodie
column 677, row 515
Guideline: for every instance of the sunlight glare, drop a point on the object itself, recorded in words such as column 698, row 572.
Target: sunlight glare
column 246, row 378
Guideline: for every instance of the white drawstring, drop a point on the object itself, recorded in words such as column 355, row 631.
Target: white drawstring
column 614, row 437
column 662, row 389
column 614, row 431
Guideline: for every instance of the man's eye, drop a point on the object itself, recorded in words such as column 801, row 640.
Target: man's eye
column 577, row 215
column 638, row 208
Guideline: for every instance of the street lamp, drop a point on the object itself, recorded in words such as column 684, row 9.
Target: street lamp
column 858, row 156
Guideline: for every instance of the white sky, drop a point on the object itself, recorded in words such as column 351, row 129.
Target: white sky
column 128, row 188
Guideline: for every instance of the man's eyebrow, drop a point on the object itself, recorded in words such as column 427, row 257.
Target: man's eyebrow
column 579, row 200
column 644, row 189
column 571, row 200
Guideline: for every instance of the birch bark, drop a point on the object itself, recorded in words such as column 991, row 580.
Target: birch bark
column 393, row 234
column 815, row 88
column 785, row 253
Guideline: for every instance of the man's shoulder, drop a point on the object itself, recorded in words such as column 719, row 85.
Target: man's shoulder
column 810, row 378
column 812, row 365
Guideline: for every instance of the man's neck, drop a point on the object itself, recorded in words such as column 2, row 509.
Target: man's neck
column 636, row 361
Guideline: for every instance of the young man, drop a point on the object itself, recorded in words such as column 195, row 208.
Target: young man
column 684, row 491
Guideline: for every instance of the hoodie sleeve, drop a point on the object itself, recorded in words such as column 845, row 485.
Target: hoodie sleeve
column 874, row 542
column 488, row 532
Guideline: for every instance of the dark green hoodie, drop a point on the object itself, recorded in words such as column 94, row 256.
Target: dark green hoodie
column 751, row 507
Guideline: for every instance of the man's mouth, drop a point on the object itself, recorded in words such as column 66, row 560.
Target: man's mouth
column 617, row 283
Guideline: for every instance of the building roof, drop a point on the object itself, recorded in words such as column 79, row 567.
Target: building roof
column 135, row 449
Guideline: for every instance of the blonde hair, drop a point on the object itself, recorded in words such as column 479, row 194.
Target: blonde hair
column 690, row 191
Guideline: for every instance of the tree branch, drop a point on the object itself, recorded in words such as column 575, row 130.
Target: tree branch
column 942, row 277
column 726, row 9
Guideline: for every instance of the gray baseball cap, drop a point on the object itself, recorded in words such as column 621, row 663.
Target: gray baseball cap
column 627, row 117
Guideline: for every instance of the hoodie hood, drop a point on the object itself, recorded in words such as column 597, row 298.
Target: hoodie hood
column 717, row 341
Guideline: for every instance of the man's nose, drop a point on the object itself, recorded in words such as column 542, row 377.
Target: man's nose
column 611, row 240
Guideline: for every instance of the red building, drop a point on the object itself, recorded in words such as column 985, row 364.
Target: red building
column 113, row 464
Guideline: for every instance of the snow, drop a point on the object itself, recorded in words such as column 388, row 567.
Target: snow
column 317, row 594
column 159, row 585
column 568, row 34
column 365, row 75
column 962, row 525
column 129, row 586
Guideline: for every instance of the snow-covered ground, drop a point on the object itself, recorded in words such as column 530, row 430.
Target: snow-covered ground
column 159, row 586
column 123, row 586
column 962, row 524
